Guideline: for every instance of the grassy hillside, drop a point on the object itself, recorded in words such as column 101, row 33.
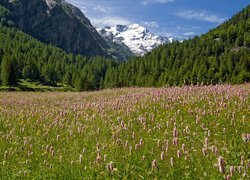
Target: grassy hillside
column 24, row 85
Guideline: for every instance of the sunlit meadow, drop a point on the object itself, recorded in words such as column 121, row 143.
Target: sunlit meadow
column 135, row 133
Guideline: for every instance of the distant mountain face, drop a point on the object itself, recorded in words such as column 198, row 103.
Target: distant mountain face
column 136, row 37
column 61, row 24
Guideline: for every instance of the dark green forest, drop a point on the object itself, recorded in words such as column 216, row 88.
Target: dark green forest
column 220, row 56
column 23, row 57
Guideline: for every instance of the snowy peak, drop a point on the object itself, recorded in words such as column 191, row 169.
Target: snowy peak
column 139, row 39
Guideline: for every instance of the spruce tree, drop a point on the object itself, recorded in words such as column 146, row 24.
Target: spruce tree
column 8, row 74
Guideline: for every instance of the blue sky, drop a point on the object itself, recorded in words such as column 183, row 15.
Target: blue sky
column 172, row 18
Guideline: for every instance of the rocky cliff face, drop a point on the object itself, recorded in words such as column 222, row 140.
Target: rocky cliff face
column 59, row 23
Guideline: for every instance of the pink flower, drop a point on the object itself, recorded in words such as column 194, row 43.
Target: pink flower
column 187, row 130
column 58, row 137
column 175, row 133
column 214, row 149
column 98, row 158
column 179, row 154
column 105, row 157
column 97, row 147
column 228, row 177
column 122, row 124
column 224, row 130
column 80, row 158
column 206, row 142
column 162, row 155
column 183, row 147
column 141, row 142
column 143, row 158
column 154, row 164
column 158, row 142
column 221, row 163
column 175, row 141
column 197, row 120
column 133, row 135
column 204, row 151
column 242, row 160
column 110, row 166
column 231, row 170
column 208, row 133
column 126, row 144
column 60, row 158
column 172, row 161
column 239, row 169
column 136, row 146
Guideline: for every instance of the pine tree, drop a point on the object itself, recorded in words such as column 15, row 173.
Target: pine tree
column 8, row 75
column 79, row 84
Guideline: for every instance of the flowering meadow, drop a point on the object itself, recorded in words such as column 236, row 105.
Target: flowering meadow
column 188, row 132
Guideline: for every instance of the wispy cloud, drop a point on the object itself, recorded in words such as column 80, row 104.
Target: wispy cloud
column 178, row 32
column 201, row 16
column 110, row 21
column 92, row 7
column 146, row 2
column 189, row 34
column 150, row 24
column 102, row 9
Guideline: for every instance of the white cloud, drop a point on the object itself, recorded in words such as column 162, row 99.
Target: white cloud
column 189, row 34
column 110, row 21
column 90, row 7
column 201, row 15
column 174, row 30
column 104, row 13
column 151, row 24
column 146, row 2
column 102, row 9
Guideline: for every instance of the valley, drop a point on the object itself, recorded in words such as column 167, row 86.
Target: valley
column 93, row 91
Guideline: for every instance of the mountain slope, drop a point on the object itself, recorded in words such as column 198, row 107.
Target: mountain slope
column 59, row 23
column 222, row 55
column 139, row 40
column 34, row 61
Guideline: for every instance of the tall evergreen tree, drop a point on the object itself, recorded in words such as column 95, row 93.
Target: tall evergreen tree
column 8, row 74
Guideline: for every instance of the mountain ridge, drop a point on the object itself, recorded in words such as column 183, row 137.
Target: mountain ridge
column 136, row 37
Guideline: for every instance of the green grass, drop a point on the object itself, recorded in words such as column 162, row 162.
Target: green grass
column 38, row 129
column 24, row 85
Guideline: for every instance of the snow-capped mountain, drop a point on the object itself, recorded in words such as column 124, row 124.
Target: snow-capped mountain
column 137, row 38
